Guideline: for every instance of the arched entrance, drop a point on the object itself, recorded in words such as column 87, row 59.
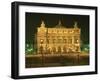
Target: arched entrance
column 59, row 49
column 64, row 49
column 54, row 50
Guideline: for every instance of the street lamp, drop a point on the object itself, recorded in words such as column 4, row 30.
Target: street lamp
column 41, row 41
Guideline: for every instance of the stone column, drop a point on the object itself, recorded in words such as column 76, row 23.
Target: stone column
column 73, row 40
column 62, row 49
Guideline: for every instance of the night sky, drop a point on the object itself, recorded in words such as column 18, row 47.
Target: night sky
column 33, row 20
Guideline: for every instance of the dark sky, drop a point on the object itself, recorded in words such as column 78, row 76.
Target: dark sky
column 33, row 20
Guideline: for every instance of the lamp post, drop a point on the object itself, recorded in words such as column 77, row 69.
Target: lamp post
column 41, row 41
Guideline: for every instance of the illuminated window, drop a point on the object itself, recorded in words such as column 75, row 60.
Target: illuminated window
column 59, row 41
column 53, row 36
column 71, row 31
column 69, row 40
column 55, row 31
column 54, row 40
column 58, row 37
column 64, row 40
column 49, row 40
column 48, row 36
column 53, row 49
column 49, row 31
column 58, row 31
column 77, row 31
column 64, row 37
column 65, row 31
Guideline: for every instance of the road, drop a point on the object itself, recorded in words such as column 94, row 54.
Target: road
column 50, row 60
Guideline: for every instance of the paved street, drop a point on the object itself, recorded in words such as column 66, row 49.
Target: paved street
column 52, row 60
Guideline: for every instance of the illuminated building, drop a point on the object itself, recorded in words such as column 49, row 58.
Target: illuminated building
column 58, row 39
